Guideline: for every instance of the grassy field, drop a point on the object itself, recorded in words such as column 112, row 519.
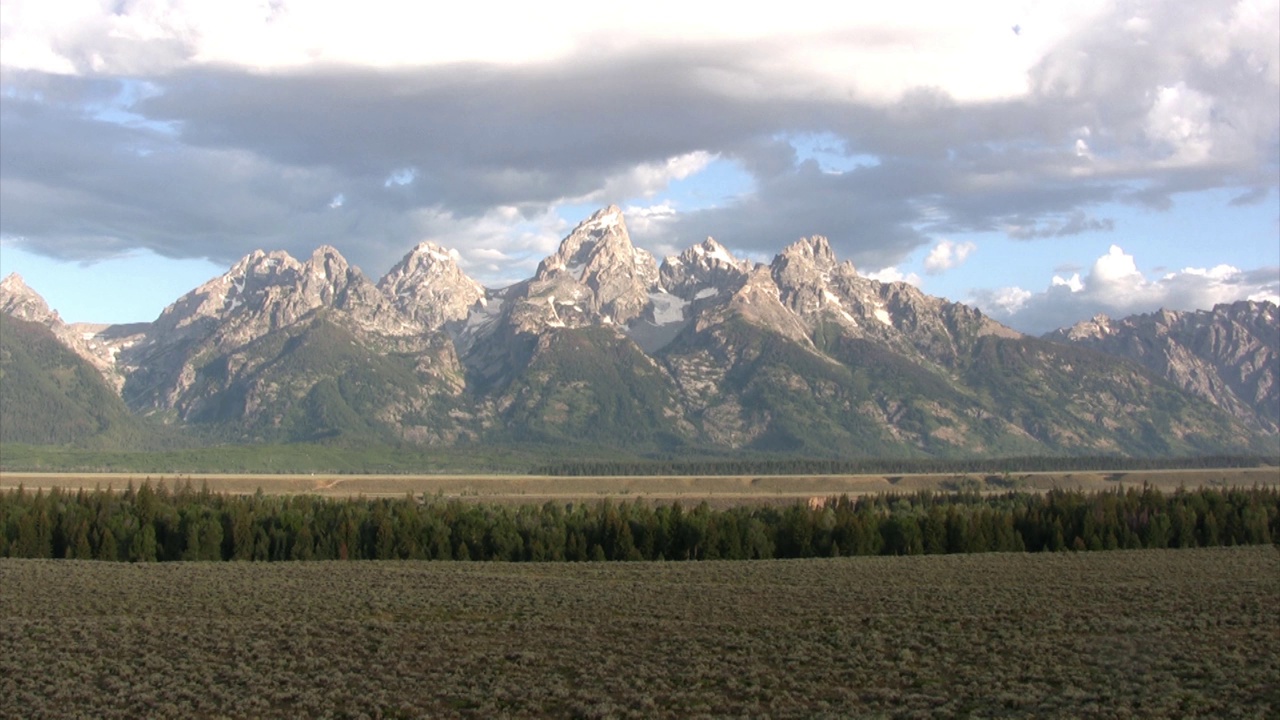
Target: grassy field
column 718, row 490
column 1186, row 633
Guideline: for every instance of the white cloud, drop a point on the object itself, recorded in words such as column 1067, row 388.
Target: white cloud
column 497, row 248
column 1180, row 119
column 879, row 52
column 947, row 254
column 1116, row 287
column 646, row 179
column 893, row 274
column 508, row 113
column 647, row 225
column 1073, row 283
column 1006, row 301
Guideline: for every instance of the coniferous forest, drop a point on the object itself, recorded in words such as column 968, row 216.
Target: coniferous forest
column 157, row 523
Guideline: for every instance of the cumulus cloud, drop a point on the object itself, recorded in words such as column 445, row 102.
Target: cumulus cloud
column 946, row 255
column 1116, row 287
column 893, row 274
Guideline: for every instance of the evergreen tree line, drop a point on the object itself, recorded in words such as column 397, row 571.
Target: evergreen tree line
column 155, row 523
column 774, row 465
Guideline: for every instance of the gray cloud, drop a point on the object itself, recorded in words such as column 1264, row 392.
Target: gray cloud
column 1074, row 224
column 1250, row 197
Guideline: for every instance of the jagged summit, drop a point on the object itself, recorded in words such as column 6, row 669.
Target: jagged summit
column 598, row 246
column 815, row 250
column 249, row 285
column 595, row 275
column 1097, row 326
column 429, row 287
column 21, row 301
column 704, row 269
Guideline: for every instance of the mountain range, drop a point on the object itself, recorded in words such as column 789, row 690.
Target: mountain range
column 607, row 347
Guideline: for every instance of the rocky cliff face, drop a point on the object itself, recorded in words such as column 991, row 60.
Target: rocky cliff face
column 1229, row 355
column 704, row 352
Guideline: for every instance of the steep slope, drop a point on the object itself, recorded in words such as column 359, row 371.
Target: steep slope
column 597, row 274
column 20, row 301
column 259, row 295
column 825, row 292
column 51, row 396
column 1229, row 355
column 315, row 380
column 591, row 385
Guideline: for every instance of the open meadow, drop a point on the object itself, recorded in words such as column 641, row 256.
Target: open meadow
column 1163, row 633
column 717, row 490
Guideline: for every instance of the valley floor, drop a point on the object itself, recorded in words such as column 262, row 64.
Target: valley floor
column 1166, row 633
column 717, row 490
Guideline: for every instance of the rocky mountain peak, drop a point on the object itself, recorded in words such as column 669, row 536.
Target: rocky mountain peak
column 328, row 263
column 705, row 266
column 245, row 287
column 428, row 286
column 814, row 251
column 601, row 239
column 812, row 280
column 1099, row 326
column 711, row 254
column 427, row 257
column 806, row 267
column 598, row 270
column 19, row 300
column 326, row 277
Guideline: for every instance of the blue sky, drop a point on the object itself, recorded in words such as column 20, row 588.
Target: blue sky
column 1043, row 161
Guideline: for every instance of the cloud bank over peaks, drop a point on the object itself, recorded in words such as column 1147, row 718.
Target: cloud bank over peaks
column 1116, row 287
column 213, row 129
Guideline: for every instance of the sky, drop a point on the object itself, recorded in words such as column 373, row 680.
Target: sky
column 1043, row 161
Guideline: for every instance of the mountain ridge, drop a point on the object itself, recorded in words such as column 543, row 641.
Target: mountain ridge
column 603, row 343
column 1226, row 355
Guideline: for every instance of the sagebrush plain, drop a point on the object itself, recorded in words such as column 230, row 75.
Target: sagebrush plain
column 1167, row 633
